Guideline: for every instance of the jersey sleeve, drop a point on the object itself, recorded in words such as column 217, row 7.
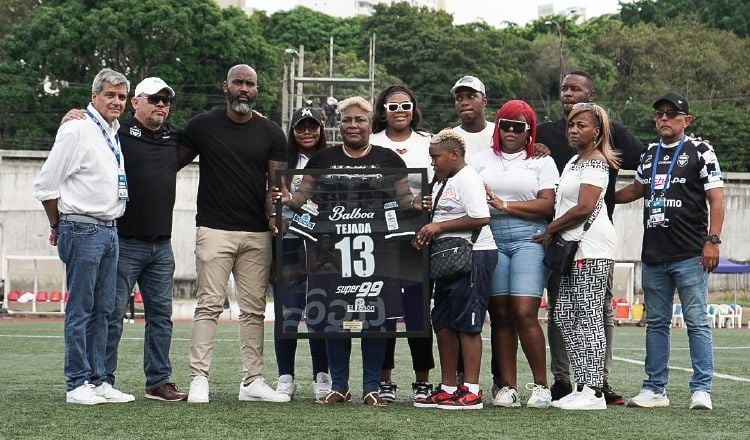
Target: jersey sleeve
column 710, row 172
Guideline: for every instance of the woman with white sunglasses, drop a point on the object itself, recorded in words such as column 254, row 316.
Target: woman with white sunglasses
column 396, row 126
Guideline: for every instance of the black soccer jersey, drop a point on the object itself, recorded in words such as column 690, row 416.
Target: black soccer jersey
column 682, row 231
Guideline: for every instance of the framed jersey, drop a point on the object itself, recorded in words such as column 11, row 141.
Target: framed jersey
column 345, row 266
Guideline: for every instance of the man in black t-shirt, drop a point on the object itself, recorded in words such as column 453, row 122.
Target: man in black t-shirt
column 681, row 237
column 239, row 152
column 578, row 86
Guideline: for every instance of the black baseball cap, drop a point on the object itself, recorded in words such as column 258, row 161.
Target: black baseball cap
column 676, row 99
column 307, row 113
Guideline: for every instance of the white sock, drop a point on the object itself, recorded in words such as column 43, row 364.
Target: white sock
column 473, row 387
column 448, row 389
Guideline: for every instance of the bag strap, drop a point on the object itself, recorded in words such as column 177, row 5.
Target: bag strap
column 475, row 234
column 593, row 216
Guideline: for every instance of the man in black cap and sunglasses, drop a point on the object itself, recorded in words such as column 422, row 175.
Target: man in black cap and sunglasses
column 681, row 238
column 578, row 87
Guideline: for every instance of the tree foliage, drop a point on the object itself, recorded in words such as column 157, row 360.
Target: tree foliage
column 50, row 50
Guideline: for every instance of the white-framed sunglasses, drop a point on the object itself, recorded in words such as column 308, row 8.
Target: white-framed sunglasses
column 398, row 106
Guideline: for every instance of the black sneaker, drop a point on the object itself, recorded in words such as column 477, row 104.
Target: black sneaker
column 610, row 396
column 560, row 389
column 387, row 391
column 421, row 390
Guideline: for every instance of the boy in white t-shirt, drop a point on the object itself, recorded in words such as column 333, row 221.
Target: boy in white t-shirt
column 459, row 208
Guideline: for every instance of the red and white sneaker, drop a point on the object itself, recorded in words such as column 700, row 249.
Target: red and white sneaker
column 463, row 399
column 434, row 399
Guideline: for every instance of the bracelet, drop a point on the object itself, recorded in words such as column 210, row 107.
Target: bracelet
column 505, row 205
column 273, row 214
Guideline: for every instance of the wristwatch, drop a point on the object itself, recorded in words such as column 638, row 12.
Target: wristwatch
column 714, row 239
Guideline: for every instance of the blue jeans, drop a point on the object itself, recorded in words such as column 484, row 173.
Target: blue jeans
column 340, row 350
column 90, row 256
column 519, row 270
column 294, row 299
column 152, row 266
column 691, row 282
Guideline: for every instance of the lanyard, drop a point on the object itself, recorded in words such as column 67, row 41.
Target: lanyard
column 667, row 178
column 115, row 150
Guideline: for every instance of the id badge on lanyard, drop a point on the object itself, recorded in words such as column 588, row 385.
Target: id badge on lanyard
column 122, row 185
column 656, row 211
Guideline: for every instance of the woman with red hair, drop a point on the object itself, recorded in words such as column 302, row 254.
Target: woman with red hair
column 521, row 194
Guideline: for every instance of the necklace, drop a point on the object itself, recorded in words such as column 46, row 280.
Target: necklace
column 504, row 161
column 364, row 153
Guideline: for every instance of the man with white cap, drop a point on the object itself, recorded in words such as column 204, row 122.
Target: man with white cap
column 470, row 103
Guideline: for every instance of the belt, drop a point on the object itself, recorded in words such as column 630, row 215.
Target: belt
column 147, row 238
column 83, row 218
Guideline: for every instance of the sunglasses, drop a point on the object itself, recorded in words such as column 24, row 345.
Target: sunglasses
column 671, row 114
column 517, row 126
column 398, row 106
column 589, row 106
column 301, row 128
column 154, row 99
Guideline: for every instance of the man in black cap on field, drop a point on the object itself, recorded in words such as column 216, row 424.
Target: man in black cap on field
column 681, row 239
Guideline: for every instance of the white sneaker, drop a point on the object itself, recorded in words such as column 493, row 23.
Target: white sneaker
column 259, row 391
column 649, row 399
column 322, row 385
column 541, row 397
column 286, row 385
column 584, row 400
column 84, row 395
column 565, row 398
column 113, row 395
column 198, row 392
column 507, row 397
column 701, row 400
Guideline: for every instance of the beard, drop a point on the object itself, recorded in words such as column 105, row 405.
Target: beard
column 242, row 108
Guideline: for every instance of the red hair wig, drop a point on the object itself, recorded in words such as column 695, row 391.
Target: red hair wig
column 512, row 110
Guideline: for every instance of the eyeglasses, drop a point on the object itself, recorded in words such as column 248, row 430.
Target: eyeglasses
column 517, row 126
column 671, row 114
column 154, row 99
column 398, row 106
column 301, row 128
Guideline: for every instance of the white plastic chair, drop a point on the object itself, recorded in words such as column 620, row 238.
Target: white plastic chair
column 725, row 316
column 678, row 319
column 711, row 311
column 737, row 314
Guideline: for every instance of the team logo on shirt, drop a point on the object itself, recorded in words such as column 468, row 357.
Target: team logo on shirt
column 310, row 207
column 135, row 132
column 304, row 221
column 360, row 306
column 682, row 160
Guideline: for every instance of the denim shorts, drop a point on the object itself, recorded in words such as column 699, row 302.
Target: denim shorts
column 519, row 270
column 461, row 303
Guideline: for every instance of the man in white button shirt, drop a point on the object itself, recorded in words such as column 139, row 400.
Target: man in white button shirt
column 83, row 190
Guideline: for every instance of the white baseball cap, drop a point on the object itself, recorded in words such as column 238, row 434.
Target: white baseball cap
column 151, row 85
column 471, row 82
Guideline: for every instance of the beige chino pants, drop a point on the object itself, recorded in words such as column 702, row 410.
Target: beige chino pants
column 247, row 255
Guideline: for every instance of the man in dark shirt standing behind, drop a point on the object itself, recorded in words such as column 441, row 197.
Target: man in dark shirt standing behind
column 239, row 152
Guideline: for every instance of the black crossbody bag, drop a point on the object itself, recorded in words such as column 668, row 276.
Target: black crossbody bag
column 450, row 257
column 561, row 253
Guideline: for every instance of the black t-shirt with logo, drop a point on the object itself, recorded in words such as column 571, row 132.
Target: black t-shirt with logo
column 682, row 233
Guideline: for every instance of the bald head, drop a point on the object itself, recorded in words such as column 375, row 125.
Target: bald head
column 241, row 89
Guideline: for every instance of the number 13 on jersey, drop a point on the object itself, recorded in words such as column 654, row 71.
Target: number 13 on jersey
column 364, row 265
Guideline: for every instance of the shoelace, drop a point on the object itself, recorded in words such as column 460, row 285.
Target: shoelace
column 532, row 386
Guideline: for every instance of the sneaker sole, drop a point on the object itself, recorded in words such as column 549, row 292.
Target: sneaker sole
column 196, row 400
column 475, row 406
column 701, row 406
column 120, row 400
column 586, row 408
column 506, row 405
column 84, row 402
column 660, row 404
column 425, row 405
column 262, row 399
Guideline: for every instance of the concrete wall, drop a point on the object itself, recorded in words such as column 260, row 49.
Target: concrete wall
column 24, row 227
